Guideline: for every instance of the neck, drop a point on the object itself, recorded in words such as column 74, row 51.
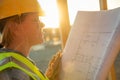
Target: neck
column 21, row 47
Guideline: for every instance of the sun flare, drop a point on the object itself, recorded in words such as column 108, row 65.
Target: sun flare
column 51, row 18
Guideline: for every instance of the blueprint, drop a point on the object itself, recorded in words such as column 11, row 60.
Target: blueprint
column 92, row 45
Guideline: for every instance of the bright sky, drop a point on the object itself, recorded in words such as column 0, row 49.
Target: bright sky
column 51, row 11
column 50, row 7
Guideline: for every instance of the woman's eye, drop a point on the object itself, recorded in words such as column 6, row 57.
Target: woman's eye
column 35, row 20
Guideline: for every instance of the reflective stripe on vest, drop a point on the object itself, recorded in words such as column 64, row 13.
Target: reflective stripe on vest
column 25, row 61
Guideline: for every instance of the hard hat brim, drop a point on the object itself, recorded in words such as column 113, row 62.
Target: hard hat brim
column 17, row 7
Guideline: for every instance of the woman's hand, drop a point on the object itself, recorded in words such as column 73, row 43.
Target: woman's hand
column 54, row 66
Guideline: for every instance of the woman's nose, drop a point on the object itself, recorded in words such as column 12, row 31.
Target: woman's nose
column 41, row 24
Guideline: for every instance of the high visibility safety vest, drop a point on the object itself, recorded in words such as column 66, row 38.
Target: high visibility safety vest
column 35, row 74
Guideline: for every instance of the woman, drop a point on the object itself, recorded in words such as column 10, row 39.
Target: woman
column 20, row 31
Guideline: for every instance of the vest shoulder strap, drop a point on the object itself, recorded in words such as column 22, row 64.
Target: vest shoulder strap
column 36, row 73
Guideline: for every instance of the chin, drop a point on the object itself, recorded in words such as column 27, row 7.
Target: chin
column 37, row 42
column 40, row 42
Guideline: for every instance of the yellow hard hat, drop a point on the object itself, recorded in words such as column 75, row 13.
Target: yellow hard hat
column 17, row 7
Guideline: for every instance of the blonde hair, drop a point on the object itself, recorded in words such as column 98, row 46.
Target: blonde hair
column 7, row 36
column 7, row 32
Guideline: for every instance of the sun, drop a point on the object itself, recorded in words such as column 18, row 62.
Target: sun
column 51, row 18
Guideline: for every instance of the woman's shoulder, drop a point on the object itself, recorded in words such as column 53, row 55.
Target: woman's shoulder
column 12, row 73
